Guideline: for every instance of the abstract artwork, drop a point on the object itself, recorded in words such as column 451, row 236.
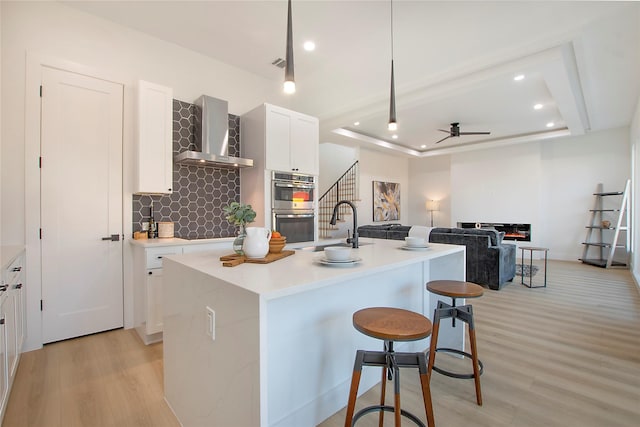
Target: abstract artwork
column 386, row 201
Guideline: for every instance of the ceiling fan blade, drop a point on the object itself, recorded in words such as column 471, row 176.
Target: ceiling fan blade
column 445, row 131
column 475, row 133
column 446, row 137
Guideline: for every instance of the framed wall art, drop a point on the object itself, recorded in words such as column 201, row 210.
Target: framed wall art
column 386, row 201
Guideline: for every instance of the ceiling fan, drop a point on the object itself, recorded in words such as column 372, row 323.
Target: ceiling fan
column 455, row 132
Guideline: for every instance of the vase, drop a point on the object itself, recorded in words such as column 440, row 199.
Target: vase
column 239, row 240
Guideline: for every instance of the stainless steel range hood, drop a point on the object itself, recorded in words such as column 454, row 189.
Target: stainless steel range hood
column 214, row 137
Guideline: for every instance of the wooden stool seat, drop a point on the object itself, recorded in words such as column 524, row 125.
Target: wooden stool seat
column 456, row 289
column 392, row 324
column 389, row 325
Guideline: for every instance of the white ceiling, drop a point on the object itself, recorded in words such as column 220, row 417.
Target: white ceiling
column 454, row 62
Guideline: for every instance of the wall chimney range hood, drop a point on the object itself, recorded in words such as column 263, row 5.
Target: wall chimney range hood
column 214, row 137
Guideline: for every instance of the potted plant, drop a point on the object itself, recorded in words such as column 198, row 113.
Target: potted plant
column 240, row 215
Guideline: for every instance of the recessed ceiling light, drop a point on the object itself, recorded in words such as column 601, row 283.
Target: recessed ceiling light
column 538, row 107
column 356, row 123
column 423, row 146
column 309, row 46
column 394, row 136
column 519, row 77
column 550, row 124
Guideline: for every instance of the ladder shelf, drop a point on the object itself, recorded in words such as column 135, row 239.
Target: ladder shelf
column 604, row 235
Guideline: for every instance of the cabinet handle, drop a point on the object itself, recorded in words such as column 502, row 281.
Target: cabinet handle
column 3, row 288
column 159, row 256
column 15, row 269
column 2, row 321
column 18, row 286
column 150, row 273
column 169, row 189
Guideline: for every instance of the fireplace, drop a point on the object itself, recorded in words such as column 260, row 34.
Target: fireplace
column 521, row 232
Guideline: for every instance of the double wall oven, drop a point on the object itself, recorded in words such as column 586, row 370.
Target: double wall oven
column 293, row 201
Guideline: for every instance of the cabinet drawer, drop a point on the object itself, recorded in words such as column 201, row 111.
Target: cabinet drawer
column 155, row 255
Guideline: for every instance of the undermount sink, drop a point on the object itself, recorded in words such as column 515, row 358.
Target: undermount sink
column 320, row 248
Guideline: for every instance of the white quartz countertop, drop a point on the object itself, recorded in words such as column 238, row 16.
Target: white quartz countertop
column 302, row 272
column 9, row 253
column 175, row 241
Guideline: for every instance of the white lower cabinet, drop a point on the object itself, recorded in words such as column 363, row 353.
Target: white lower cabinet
column 154, row 301
column 147, row 294
column 4, row 363
column 12, row 325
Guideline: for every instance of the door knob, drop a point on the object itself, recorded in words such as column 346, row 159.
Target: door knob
column 113, row 238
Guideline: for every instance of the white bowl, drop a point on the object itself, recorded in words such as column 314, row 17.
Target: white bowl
column 414, row 242
column 337, row 253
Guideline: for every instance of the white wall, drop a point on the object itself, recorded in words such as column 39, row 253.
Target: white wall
column 334, row 161
column 571, row 170
column 49, row 32
column 635, row 196
column 496, row 185
column 378, row 166
column 430, row 179
column 549, row 184
column 1, row 241
column 67, row 34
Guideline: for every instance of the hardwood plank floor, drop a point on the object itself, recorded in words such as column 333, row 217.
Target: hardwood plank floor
column 564, row 355
column 107, row 379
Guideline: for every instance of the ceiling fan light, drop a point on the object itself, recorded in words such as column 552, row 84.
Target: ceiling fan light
column 392, row 126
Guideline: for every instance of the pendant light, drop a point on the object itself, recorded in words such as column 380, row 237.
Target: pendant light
column 289, row 81
column 393, row 125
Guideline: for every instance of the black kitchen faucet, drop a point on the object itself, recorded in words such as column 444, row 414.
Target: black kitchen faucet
column 354, row 239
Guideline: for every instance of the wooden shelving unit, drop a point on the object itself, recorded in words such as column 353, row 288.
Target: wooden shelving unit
column 608, row 238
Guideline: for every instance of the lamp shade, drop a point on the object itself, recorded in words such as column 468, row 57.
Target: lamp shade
column 432, row 205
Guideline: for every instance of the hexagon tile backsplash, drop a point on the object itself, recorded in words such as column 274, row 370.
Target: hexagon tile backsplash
column 195, row 206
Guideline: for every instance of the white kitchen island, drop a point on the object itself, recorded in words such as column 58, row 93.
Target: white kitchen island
column 284, row 342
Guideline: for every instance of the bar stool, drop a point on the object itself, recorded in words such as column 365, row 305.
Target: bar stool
column 390, row 325
column 456, row 289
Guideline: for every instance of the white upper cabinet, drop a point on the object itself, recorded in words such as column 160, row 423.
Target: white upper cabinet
column 281, row 139
column 154, row 174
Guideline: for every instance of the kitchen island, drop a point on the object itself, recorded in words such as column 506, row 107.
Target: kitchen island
column 284, row 342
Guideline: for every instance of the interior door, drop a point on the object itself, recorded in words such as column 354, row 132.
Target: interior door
column 81, row 203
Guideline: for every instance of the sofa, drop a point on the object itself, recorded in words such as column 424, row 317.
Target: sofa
column 384, row 231
column 490, row 262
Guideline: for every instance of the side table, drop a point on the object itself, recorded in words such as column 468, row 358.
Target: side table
column 532, row 249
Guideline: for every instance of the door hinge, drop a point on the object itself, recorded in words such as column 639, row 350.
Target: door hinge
column 41, row 305
column 40, row 233
column 40, row 91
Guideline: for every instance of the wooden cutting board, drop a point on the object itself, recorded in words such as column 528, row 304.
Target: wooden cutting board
column 235, row 259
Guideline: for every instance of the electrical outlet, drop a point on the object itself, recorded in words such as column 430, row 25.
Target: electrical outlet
column 211, row 323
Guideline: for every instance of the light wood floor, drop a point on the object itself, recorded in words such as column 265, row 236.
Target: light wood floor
column 567, row 355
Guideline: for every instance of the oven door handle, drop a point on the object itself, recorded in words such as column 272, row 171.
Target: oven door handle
column 294, row 215
column 287, row 185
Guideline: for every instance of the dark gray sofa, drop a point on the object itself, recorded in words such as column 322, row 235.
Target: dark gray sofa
column 489, row 261
column 384, row 231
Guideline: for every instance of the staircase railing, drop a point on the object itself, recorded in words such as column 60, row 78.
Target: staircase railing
column 345, row 188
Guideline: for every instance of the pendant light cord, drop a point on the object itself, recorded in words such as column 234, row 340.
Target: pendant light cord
column 391, row 30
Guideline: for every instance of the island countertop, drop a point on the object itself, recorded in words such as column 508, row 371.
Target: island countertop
column 272, row 345
column 302, row 272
